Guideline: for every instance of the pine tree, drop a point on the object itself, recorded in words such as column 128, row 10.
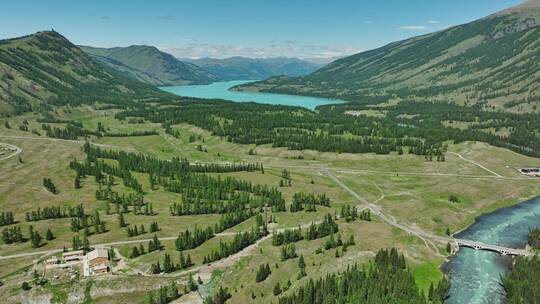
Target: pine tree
column 121, row 221
column 134, row 252
column 77, row 182
column 49, row 235
column 191, row 285
column 141, row 249
column 76, row 243
column 35, row 238
column 173, row 290
column 302, row 266
column 85, row 244
column 277, row 289
column 102, row 227
column 168, row 266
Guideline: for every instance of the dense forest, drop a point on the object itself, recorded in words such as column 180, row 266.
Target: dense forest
column 423, row 128
column 386, row 280
column 534, row 238
column 521, row 284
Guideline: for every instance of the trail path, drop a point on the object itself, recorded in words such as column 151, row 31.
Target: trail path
column 475, row 163
column 15, row 153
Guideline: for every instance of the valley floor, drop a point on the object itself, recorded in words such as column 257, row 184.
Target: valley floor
column 412, row 191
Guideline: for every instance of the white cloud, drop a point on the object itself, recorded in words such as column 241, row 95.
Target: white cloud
column 433, row 22
column 290, row 48
column 368, row 22
column 412, row 28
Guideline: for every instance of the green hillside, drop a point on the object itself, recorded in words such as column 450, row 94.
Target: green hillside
column 46, row 69
column 150, row 65
column 241, row 68
column 494, row 61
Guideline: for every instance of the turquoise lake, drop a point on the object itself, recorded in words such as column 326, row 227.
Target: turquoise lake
column 221, row 90
column 475, row 274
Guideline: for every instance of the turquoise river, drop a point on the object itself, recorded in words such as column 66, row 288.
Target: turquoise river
column 474, row 275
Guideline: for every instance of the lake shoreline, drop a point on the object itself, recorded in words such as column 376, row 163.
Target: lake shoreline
column 222, row 90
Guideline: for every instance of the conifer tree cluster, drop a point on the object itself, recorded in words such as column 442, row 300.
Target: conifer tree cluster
column 72, row 131
column 169, row 265
column 220, row 297
column 154, row 244
column 308, row 201
column 365, row 215
column 164, row 295
column 349, row 213
column 191, row 239
column 54, row 212
column 137, row 251
column 262, row 273
column 521, row 284
column 35, row 237
column 7, row 218
column 326, row 227
column 84, row 222
column 288, row 252
column 131, row 232
column 241, row 240
column 287, row 236
column 534, row 238
column 77, row 243
column 49, row 185
column 12, row 235
column 387, row 281
column 201, row 193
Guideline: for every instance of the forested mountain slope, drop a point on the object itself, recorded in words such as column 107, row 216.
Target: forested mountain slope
column 494, row 61
column 45, row 68
column 242, row 68
column 150, row 65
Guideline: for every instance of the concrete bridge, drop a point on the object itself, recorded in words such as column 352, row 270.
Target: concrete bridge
column 500, row 249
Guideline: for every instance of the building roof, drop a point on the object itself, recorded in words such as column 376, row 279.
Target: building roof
column 100, row 267
column 97, row 253
column 76, row 252
column 52, row 259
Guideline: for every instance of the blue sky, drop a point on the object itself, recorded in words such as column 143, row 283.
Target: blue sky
column 219, row 28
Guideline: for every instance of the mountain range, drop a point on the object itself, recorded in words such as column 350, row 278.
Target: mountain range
column 150, row 65
column 46, row 69
column 494, row 61
column 242, row 68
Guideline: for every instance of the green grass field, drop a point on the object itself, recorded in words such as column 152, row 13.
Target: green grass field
column 414, row 191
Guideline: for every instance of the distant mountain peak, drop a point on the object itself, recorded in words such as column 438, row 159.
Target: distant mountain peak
column 148, row 64
column 244, row 68
column 493, row 61
column 529, row 6
column 45, row 68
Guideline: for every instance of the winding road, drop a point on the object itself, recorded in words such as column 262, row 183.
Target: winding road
column 424, row 236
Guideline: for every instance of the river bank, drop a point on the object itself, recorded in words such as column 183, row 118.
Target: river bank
column 475, row 274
